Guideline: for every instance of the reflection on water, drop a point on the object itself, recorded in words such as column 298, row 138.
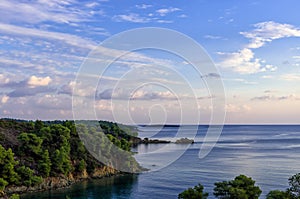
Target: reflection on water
column 105, row 188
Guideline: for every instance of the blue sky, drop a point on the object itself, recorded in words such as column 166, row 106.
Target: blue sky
column 254, row 44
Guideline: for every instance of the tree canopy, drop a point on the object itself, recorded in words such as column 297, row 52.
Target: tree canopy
column 31, row 151
column 193, row 193
column 242, row 187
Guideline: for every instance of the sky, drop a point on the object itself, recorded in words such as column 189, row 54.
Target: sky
column 254, row 45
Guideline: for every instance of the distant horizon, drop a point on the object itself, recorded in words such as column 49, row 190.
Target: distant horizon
column 167, row 124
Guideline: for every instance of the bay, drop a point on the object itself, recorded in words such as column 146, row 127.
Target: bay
column 270, row 154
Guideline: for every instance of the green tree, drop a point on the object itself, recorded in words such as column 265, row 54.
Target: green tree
column 7, row 166
column 45, row 133
column 81, row 166
column 193, row 193
column 3, row 184
column 14, row 196
column 28, row 177
column 61, row 162
column 241, row 187
column 294, row 189
column 56, row 167
column 277, row 194
column 38, row 124
column 44, row 165
column 30, row 144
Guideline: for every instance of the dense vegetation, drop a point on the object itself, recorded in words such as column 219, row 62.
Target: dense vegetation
column 194, row 193
column 243, row 187
column 32, row 151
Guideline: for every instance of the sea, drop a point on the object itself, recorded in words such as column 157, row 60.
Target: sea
column 269, row 154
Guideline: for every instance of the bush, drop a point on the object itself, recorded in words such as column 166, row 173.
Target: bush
column 3, row 184
column 294, row 189
column 193, row 193
column 14, row 196
column 277, row 194
column 241, row 187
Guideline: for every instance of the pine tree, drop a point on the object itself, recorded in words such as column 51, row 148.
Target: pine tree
column 44, row 165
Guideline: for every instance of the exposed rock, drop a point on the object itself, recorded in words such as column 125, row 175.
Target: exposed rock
column 103, row 172
column 184, row 141
column 60, row 181
column 155, row 141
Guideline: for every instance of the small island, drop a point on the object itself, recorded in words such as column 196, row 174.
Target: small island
column 184, row 141
column 137, row 140
column 155, row 141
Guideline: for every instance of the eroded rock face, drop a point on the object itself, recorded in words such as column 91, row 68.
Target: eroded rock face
column 47, row 183
column 61, row 181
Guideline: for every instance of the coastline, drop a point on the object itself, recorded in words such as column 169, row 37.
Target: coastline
column 60, row 182
column 45, row 155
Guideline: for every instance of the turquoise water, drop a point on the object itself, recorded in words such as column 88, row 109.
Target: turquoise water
column 269, row 154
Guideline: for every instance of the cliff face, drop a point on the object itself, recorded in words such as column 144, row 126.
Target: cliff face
column 61, row 181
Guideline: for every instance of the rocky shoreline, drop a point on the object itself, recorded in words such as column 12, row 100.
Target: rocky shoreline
column 59, row 182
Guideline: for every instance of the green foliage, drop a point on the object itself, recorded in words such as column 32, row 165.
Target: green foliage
column 61, row 162
column 44, row 149
column 277, row 194
column 14, row 196
column 193, row 193
column 241, row 187
column 44, row 165
column 28, row 177
column 7, row 166
column 38, row 125
column 30, row 144
column 294, row 189
column 81, row 166
column 3, row 184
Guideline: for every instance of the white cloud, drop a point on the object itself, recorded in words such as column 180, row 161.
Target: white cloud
column 165, row 11
column 244, row 62
column 44, row 106
column 267, row 76
column 92, row 4
column 164, row 21
column 182, row 16
column 54, row 102
column 40, row 11
column 240, row 80
column 233, row 108
column 296, row 57
column 148, row 95
column 275, row 98
column 103, row 105
column 212, row 37
column 290, row 77
column 4, row 99
column 39, row 81
column 131, row 17
column 268, row 31
column 63, row 37
column 143, row 6
column 4, row 79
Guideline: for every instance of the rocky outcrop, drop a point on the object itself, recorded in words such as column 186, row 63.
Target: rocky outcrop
column 104, row 172
column 184, row 141
column 155, row 141
column 61, row 181
column 47, row 183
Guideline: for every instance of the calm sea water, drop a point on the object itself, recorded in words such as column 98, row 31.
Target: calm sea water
column 269, row 154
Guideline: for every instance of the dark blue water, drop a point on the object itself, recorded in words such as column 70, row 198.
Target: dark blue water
column 269, row 154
